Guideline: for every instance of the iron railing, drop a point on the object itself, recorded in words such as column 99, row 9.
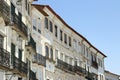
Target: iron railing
column 64, row 66
column 80, row 70
column 20, row 25
column 4, row 58
column 19, row 65
column 39, row 59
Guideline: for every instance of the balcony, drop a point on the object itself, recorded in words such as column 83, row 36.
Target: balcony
column 32, row 75
column 19, row 25
column 89, row 75
column 95, row 64
column 8, row 18
column 19, row 66
column 64, row 66
column 32, row 44
column 4, row 58
column 39, row 59
column 5, row 11
column 79, row 70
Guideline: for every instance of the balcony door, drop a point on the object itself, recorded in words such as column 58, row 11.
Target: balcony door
column 12, row 51
column 12, row 9
column 1, row 41
column 20, row 54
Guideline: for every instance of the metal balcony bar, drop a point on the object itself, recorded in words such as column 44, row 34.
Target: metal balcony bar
column 20, row 25
column 19, row 65
column 64, row 66
column 4, row 58
column 80, row 70
column 39, row 59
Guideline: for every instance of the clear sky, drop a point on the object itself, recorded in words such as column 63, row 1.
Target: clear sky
column 96, row 20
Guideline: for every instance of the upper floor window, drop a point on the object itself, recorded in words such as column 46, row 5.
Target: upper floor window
column 61, row 56
column 12, row 9
column 1, row 41
column 46, row 23
column 61, row 35
column 69, row 41
column 75, row 44
column 56, row 31
column 87, row 51
column 93, row 58
column 65, row 38
column 26, row 4
column 47, row 51
column 34, row 24
column 51, row 53
column 51, row 27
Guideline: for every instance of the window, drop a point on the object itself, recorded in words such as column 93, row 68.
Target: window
column 93, row 57
column 83, row 49
column 1, row 41
column 61, row 56
column 51, row 53
column 47, row 51
column 20, row 16
column 66, row 59
column 75, row 44
column 70, row 61
column 56, row 53
column 46, row 23
column 20, row 54
column 12, row 52
column 87, row 50
column 55, row 31
column 61, row 35
column 65, row 38
column 29, row 9
column 69, row 41
column 51, row 27
column 34, row 24
column 26, row 4
column 12, row 9
column 39, row 26
column 19, row 78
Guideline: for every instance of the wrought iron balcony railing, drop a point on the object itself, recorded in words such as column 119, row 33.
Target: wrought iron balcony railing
column 80, row 70
column 19, row 65
column 89, row 75
column 10, row 17
column 32, row 75
column 32, row 43
column 95, row 64
column 39, row 59
column 4, row 58
column 64, row 66
column 19, row 24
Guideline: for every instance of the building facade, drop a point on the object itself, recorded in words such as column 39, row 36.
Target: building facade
column 111, row 76
column 69, row 56
column 37, row 44
column 16, row 47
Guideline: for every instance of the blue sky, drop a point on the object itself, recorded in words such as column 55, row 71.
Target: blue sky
column 96, row 20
